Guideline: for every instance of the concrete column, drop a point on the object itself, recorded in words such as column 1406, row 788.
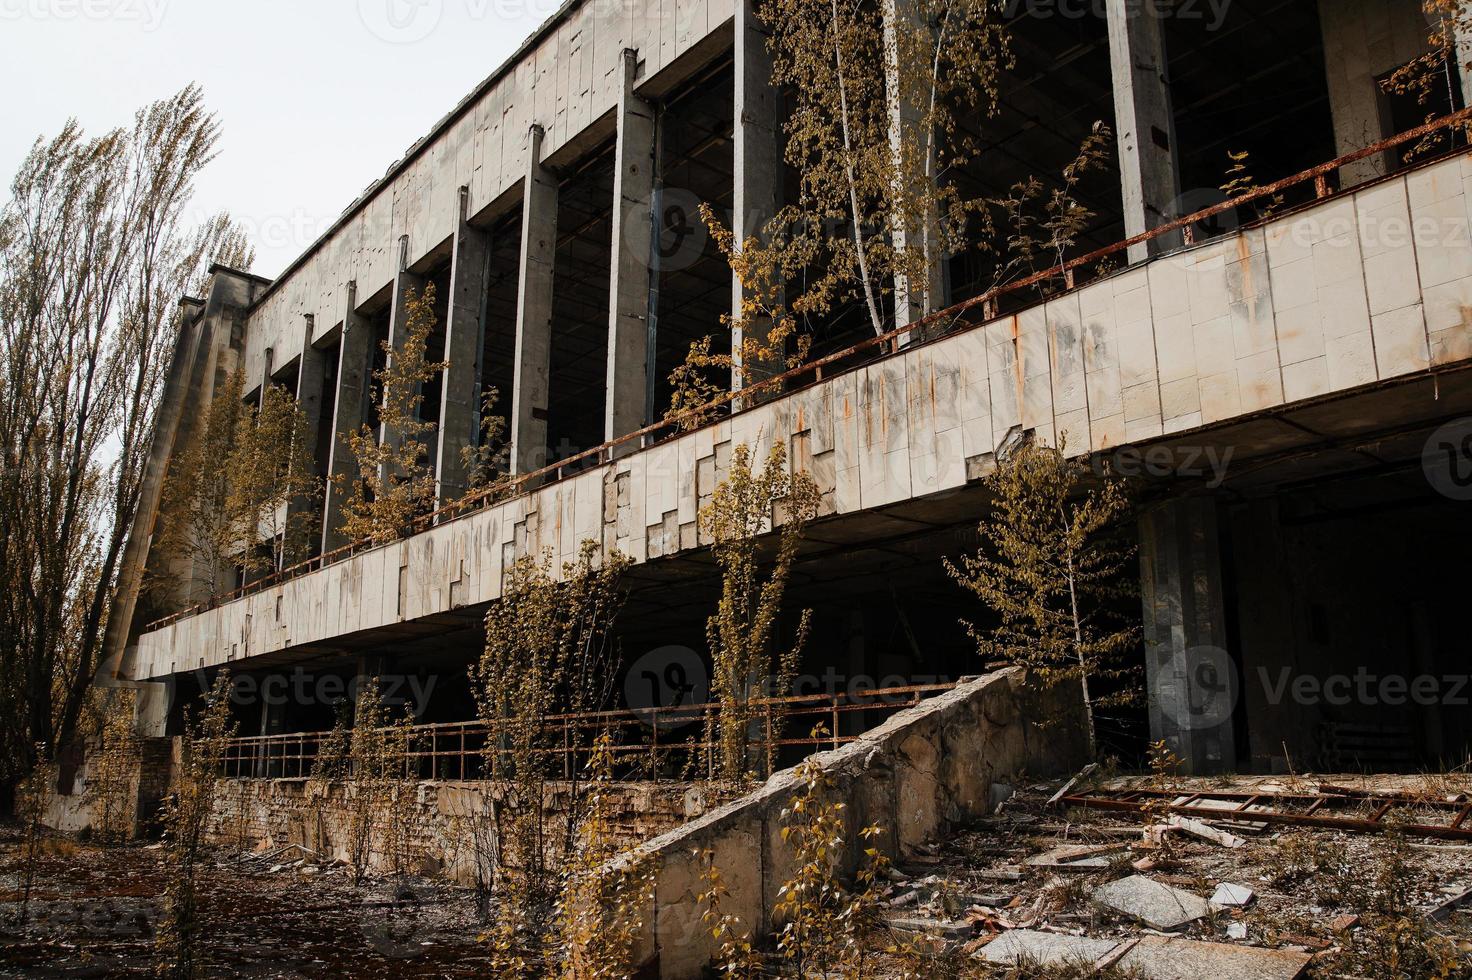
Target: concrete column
column 355, row 361
column 1462, row 51
column 267, row 366
column 406, row 286
column 311, row 377
column 1144, row 123
column 464, row 341
column 909, row 145
column 1191, row 676
column 630, row 346
column 273, row 722
column 534, row 313
column 757, row 145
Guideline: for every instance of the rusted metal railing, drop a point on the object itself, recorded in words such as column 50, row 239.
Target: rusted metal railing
column 930, row 328
column 650, row 743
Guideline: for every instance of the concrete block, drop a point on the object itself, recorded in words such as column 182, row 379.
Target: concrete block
column 1294, row 284
column 1400, row 342
column 1259, row 381
column 1175, row 348
column 1306, row 379
column 1300, row 335
column 1391, row 281
column 1216, row 348
column 1220, row 396
column 1443, row 242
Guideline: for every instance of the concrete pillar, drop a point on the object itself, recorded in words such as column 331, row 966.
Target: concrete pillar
column 406, row 286
column 1462, row 51
column 273, row 722
column 913, row 229
column 1144, row 123
column 1191, row 677
column 757, row 145
column 630, row 317
column 534, row 313
column 311, row 377
column 465, row 329
column 355, row 361
column 267, row 366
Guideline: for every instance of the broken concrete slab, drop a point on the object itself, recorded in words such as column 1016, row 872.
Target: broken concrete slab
column 934, row 927
column 1076, row 857
column 1047, row 949
column 1233, row 896
column 1186, row 959
column 1152, row 957
column 1156, row 905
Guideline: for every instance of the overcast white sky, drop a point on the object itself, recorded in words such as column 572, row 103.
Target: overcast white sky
column 316, row 97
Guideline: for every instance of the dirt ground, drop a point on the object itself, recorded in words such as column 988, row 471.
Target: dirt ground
column 94, row 911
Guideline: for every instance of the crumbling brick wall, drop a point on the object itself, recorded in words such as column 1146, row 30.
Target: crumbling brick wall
column 254, row 813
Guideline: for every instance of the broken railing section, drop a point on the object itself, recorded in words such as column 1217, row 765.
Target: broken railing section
column 1330, row 807
column 968, row 314
column 651, row 743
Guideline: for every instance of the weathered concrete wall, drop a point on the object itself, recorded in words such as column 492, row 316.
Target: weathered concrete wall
column 1365, row 288
column 438, row 833
column 79, row 809
column 917, row 777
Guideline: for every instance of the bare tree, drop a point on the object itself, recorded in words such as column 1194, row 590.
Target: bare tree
column 94, row 252
column 394, row 482
column 743, row 632
column 269, row 466
column 1053, row 574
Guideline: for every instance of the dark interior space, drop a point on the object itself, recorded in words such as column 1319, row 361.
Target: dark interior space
column 1050, row 101
column 432, row 391
column 1252, row 81
column 579, row 371
column 693, row 283
column 498, row 355
column 1350, row 593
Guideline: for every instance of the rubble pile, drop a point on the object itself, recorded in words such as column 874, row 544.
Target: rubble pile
column 1280, row 885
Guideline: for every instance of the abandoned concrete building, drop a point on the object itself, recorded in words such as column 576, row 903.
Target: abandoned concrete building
column 1288, row 390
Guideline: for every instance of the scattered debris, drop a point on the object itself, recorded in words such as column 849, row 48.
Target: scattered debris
column 1067, row 788
column 1233, row 896
column 1198, row 829
column 1076, row 857
column 934, row 927
column 1444, row 911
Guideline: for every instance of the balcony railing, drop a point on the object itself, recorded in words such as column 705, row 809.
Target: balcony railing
column 650, row 744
